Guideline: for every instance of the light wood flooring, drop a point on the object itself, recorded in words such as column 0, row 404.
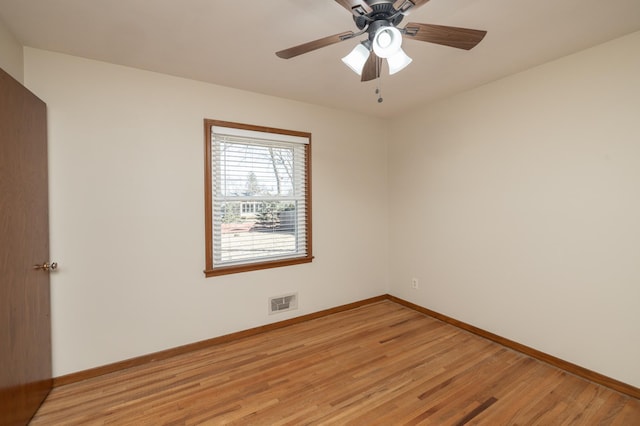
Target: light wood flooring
column 381, row 364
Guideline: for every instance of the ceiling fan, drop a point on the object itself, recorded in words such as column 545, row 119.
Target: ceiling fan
column 379, row 20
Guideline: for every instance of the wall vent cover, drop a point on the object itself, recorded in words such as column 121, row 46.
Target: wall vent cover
column 287, row 302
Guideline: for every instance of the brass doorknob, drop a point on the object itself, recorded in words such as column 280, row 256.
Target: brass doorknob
column 47, row 266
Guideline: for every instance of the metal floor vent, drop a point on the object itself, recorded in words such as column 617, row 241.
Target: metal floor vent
column 283, row 303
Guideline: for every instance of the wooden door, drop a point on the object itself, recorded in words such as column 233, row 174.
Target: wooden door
column 25, row 320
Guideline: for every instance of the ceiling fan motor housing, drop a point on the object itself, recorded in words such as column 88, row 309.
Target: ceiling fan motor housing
column 380, row 11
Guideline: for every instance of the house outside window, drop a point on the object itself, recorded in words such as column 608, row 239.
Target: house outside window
column 257, row 197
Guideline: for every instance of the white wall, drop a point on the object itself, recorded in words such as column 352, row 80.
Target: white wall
column 11, row 57
column 517, row 205
column 127, row 210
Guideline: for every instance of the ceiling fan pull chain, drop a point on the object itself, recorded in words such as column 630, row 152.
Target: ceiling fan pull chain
column 378, row 90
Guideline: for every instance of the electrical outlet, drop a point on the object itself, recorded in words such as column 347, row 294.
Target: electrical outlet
column 415, row 284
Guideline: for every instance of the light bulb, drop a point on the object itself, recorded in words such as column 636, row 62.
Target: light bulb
column 398, row 61
column 357, row 58
column 384, row 39
column 387, row 41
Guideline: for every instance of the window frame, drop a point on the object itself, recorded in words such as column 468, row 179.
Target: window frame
column 210, row 269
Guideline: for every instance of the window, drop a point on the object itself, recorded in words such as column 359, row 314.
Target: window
column 257, row 197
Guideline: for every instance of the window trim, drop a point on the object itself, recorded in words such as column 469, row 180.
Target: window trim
column 210, row 270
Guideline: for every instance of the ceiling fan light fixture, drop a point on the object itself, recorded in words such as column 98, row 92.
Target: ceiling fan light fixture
column 387, row 41
column 357, row 58
column 398, row 62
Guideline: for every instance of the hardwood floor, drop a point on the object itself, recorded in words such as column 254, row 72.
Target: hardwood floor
column 379, row 364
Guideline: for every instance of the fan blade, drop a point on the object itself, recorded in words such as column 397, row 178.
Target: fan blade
column 406, row 6
column 462, row 38
column 315, row 44
column 356, row 7
column 372, row 67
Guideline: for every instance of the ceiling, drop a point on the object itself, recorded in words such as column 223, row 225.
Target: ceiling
column 233, row 43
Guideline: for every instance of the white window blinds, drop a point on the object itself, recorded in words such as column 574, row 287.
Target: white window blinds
column 259, row 196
